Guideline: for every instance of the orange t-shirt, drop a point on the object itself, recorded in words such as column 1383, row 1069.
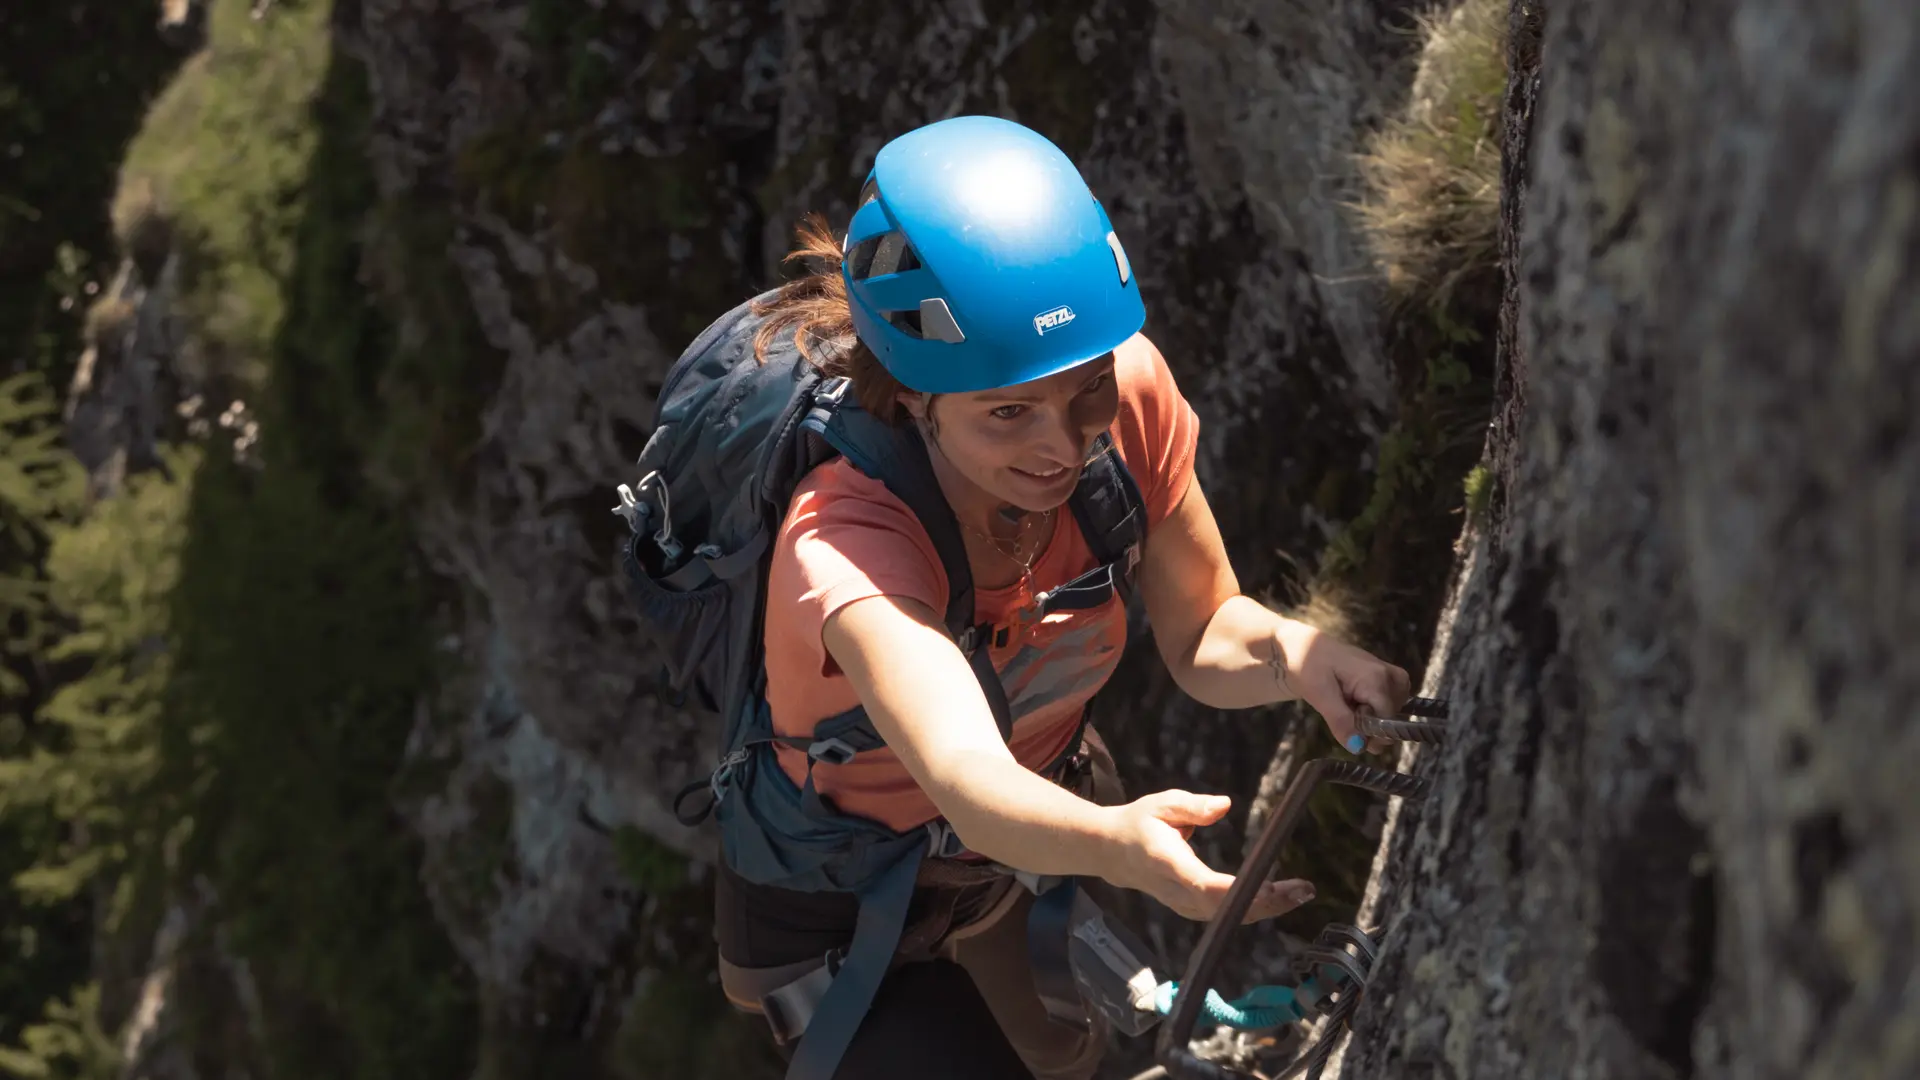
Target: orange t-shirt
column 847, row 538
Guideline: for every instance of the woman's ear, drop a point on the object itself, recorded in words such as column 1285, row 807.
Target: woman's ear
column 915, row 403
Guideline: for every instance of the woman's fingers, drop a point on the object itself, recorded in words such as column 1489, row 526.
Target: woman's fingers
column 1278, row 898
column 1184, row 809
column 1381, row 690
column 1375, row 693
column 1199, row 890
column 1329, row 697
column 1400, row 683
column 1273, row 899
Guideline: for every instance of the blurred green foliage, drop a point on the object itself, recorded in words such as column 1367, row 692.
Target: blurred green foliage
column 75, row 79
column 241, row 647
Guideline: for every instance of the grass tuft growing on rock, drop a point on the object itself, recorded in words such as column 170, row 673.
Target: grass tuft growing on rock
column 1431, row 212
column 1430, row 215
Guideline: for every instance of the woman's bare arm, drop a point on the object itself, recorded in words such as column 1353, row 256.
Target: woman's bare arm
column 1227, row 650
column 926, row 703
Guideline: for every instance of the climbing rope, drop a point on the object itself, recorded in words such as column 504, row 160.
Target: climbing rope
column 1260, row 1008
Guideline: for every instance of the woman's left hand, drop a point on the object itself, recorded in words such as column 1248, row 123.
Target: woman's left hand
column 1337, row 679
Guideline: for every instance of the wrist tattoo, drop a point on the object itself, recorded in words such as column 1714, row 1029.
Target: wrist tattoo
column 1277, row 663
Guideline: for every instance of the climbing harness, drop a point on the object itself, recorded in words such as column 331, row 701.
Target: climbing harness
column 1331, row 975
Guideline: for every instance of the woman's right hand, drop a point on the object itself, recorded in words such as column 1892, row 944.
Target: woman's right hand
column 1154, row 857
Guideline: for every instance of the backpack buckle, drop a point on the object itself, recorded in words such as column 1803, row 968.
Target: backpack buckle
column 789, row 1008
column 942, row 841
column 831, row 751
column 831, row 390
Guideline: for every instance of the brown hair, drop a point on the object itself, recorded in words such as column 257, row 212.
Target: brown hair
column 815, row 308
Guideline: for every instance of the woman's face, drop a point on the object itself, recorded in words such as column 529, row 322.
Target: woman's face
column 1025, row 444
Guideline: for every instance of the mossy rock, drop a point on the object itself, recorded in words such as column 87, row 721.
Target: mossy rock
column 648, row 229
column 227, row 150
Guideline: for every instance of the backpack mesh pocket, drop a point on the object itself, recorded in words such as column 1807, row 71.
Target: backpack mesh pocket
column 684, row 614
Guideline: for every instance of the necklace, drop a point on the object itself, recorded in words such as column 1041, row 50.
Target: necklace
column 1027, row 612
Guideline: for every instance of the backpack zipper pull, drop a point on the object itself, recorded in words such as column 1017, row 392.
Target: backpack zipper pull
column 636, row 512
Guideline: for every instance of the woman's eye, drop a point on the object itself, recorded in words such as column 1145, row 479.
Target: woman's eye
column 1097, row 383
column 1008, row 412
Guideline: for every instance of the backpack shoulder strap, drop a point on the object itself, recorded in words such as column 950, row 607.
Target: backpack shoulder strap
column 898, row 458
column 1111, row 511
column 1108, row 508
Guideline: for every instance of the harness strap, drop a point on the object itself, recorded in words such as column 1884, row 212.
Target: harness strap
column 876, row 934
column 1048, row 924
column 798, row 989
column 981, row 661
column 790, row 1008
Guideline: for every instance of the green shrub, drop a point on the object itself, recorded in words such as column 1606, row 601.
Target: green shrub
column 110, row 575
column 39, row 484
column 1478, row 487
column 75, row 78
column 43, row 951
column 66, row 1044
column 223, row 159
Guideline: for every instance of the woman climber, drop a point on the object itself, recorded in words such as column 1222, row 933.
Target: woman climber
column 980, row 305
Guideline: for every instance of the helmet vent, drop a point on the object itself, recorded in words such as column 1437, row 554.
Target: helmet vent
column 1119, row 257
column 907, row 322
column 886, row 257
column 860, row 259
column 887, row 253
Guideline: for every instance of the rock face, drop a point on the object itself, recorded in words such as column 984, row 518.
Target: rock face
column 123, row 399
column 621, row 174
column 1666, row 839
column 1673, row 836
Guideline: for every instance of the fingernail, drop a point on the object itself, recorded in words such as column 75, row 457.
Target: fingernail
column 1302, row 894
column 1355, row 742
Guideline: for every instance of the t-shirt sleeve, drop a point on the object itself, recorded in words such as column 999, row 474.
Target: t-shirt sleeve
column 840, row 544
column 1157, row 430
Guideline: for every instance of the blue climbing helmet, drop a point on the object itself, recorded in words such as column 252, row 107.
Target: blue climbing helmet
column 978, row 258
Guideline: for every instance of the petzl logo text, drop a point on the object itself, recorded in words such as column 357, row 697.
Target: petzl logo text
column 1052, row 320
